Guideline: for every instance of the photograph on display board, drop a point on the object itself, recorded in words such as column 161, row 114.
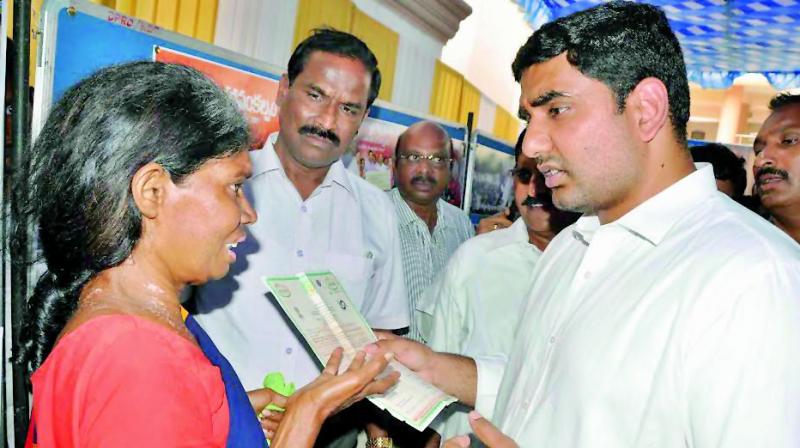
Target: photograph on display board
column 255, row 95
column 372, row 155
column 492, row 184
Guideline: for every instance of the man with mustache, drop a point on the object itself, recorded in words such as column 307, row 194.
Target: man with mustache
column 777, row 165
column 473, row 308
column 430, row 228
column 314, row 215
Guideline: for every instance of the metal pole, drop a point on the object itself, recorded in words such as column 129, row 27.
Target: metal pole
column 467, row 151
column 21, row 136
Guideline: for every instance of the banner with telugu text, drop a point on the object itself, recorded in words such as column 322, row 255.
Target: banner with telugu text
column 255, row 95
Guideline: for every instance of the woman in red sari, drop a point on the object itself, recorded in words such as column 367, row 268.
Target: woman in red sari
column 135, row 189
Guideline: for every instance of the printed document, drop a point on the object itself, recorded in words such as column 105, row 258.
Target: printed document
column 318, row 306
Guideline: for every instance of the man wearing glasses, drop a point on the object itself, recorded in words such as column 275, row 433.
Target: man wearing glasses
column 472, row 309
column 430, row 228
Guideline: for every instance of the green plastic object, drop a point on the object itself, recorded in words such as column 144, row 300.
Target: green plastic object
column 276, row 382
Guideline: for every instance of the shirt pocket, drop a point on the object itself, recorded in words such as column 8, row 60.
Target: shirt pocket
column 355, row 273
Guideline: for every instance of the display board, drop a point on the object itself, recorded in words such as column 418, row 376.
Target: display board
column 80, row 37
column 490, row 184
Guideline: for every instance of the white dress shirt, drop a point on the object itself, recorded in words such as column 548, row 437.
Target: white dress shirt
column 473, row 308
column 678, row 325
column 425, row 253
column 346, row 226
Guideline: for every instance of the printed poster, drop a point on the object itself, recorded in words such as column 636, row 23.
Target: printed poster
column 492, row 183
column 254, row 94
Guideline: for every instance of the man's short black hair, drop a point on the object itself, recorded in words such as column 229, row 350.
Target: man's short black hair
column 518, row 145
column 727, row 165
column 618, row 43
column 329, row 40
column 782, row 100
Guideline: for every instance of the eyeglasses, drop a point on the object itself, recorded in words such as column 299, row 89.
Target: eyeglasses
column 523, row 174
column 437, row 161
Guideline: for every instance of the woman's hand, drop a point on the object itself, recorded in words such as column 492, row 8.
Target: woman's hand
column 330, row 393
column 270, row 420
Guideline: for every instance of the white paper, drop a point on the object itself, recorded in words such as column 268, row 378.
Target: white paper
column 318, row 306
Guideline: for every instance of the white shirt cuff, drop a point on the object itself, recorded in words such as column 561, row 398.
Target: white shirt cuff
column 490, row 369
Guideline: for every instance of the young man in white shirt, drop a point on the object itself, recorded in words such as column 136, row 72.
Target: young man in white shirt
column 473, row 308
column 314, row 215
column 667, row 315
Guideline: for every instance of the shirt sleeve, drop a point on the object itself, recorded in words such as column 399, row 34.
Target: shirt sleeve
column 490, row 370
column 386, row 292
column 145, row 394
column 742, row 364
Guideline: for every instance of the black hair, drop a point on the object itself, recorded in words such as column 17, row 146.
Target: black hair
column 77, row 187
column 518, row 145
column 727, row 165
column 329, row 40
column 783, row 99
column 619, row 43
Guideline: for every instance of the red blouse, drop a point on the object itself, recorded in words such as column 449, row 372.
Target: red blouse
column 120, row 380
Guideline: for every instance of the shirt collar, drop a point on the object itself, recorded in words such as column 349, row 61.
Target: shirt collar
column 406, row 216
column 337, row 174
column 653, row 218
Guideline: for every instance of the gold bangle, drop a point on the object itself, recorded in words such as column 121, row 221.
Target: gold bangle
column 380, row 442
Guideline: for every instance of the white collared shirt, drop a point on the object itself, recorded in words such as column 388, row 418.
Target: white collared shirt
column 346, row 226
column 425, row 253
column 473, row 308
column 676, row 325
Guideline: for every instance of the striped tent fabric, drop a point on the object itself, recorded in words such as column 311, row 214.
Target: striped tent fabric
column 721, row 39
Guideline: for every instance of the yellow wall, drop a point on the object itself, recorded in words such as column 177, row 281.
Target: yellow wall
column 446, row 92
column 470, row 102
column 506, row 125
column 194, row 18
column 343, row 15
column 36, row 6
column 383, row 43
column 318, row 13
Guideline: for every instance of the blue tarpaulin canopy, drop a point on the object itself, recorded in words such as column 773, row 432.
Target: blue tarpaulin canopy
column 721, row 39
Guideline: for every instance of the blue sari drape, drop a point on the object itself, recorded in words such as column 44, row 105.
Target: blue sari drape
column 245, row 429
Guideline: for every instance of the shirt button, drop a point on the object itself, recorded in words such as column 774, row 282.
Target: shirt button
column 552, row 339
column 303, row 208
column 299, row 252
column 526, row 404
column 288, row 350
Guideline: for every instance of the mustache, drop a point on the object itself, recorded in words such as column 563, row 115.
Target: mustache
column 531, row 201
column 767, row 170
column 327, row 134
column 423, row 179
